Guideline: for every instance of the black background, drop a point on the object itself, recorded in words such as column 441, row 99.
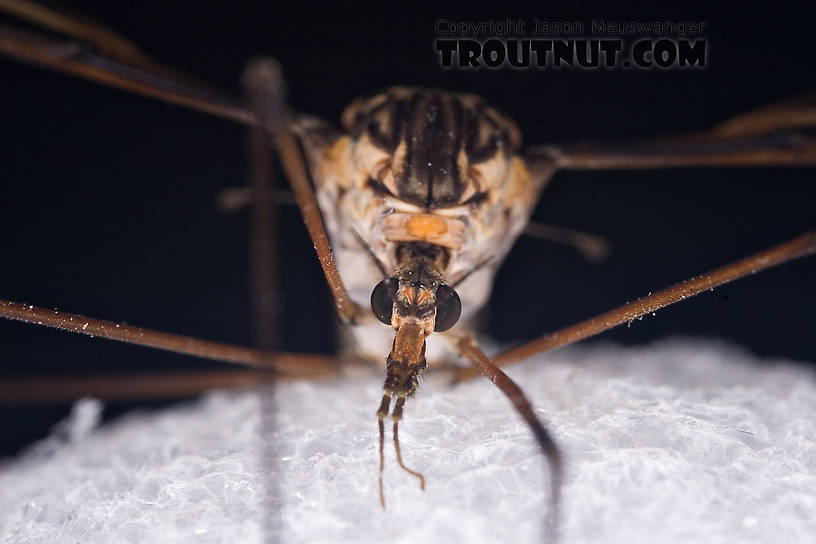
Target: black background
column 108, row 200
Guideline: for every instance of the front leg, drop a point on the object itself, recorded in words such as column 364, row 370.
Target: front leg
column 264, row 78
column 469, row 349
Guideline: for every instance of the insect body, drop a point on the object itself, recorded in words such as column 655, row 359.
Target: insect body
column 424, row 192
column 421, row 173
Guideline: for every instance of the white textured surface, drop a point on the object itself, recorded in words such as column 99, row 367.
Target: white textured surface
column 675, row 442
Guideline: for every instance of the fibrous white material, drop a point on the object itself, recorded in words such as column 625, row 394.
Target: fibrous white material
column 675, row 442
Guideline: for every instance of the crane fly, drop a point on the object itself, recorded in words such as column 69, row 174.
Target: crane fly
column 411, row 206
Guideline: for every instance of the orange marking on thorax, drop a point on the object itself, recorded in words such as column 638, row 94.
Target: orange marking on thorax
column 426, row 226
column 409, row 227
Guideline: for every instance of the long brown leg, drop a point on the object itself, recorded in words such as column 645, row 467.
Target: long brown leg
column 593, row 247
column 798, row 112
column 750, row 139
column 263, row 220
column 74, row 59
column 774, row 135
column 773, row 150
column 800, row 246
column 128, row 387
column 288, row 363
column 101, row 37
column 233, row 199
column 263, row 252
column 266, row 73
column 482, row 364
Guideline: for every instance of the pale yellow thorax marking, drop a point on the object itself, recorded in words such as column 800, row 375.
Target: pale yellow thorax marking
column 424, row 227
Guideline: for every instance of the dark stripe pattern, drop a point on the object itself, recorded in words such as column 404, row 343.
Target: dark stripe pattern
column 433, row 137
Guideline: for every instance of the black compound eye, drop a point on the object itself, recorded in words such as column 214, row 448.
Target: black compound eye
column 382, row 299
column 448, row 308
